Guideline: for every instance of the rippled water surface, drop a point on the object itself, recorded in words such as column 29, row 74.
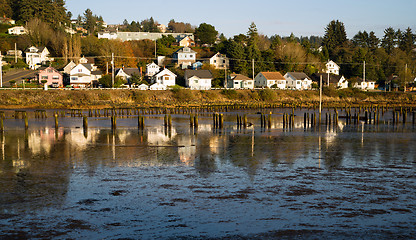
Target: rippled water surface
column 336, row 181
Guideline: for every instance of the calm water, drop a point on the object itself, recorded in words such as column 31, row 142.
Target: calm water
column 343, row 181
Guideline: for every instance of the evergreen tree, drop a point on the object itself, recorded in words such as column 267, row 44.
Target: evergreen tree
column 206, row 33
column 361, row 39
column 389, row 40
column 335, row 36
column 407, row 40
column 252, row 49
column 373, row 41
column 5, row 9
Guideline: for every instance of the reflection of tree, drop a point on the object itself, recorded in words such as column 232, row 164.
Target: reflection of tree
column 205, row 161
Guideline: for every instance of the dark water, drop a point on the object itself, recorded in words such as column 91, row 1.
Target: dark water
column 342, row 181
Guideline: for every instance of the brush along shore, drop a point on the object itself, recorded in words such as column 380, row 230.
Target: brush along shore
column 100, row 99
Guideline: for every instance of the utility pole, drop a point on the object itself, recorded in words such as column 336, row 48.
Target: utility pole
column 320, row 95
column 364, row 71
column 253, row 67
column 112, row 70
column 1, row 70
column 155, row 49
column 15, row 52
column 405, row 73
column 225, row 77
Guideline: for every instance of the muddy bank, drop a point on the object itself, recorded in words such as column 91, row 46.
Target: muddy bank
column 182, row 97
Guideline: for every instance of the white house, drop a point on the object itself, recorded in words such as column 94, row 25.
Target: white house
column 364, row 84
column 219, row 61
column 269, row 79
column 335, row 80
column 187, row 42
column 152, row 69
column 298, row 81
column 165, row 77
column 127, row 73
column 18, row 30
column 198, row 79
column 158, row 86
column 184, row 57
column 69, row 67
column 35, row 56
column 332, row 67
column 239, row 81
column 83, row 75
column 143, row 87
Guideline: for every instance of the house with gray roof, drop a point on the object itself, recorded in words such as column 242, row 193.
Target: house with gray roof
column 184, row 57
column 198, row 79
column 298, row 81
column 36, row 56
column 84, row 75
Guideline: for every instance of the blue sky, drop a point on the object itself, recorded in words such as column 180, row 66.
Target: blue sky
column 231, row 17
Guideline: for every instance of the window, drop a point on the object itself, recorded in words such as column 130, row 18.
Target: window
column 44, row 77
column 50, row 70
column 80, row 70
column 223, row 61
column 196, row 81
column 55, row 77
column 166, row 78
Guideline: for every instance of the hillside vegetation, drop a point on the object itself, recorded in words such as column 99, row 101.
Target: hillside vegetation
column 181, row 97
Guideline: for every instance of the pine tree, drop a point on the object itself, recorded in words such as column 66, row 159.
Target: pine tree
column 389, row 40
column 407, row 40
column 335, row 36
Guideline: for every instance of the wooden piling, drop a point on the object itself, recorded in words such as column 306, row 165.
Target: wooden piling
column 26, row 121
column 56, row 121
column 85, row 122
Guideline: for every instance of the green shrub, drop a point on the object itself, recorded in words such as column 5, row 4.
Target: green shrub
column 268, row 95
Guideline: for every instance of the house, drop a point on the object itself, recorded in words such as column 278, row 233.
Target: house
column 152, row 69
column 128, row 73
column 143, row 87
column 239, row 81
column 69, row 67
column 18, row 30
column 35, row 56
column 84, row 75
column 364, row 84
column 197, row 65
column 184, row 57
column 162, row 28
column 186, row 42
column 334, row 80
column 158, row 86
column 17, row 53
column 6, row 20
column 298, row 81
column 332, row 67
column 270, row 79
column 52, row 77
column 219, row 61
column 165, row 77
column 198, row 79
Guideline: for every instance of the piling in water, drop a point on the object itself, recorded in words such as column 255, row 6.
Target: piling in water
column 85, row 122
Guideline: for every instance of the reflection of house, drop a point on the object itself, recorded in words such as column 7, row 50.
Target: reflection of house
column 83, row 75
column 364, row 84
column 239, row 81
column 51, row 76
column 35, row 56
column 219, row 61
column 19, row 30
column 332, row 67
column 184, row 57
column 269, row 79
column 152, row 69
column 298, row 81
column 334, row 80
column 198, row 79
column 165, row 77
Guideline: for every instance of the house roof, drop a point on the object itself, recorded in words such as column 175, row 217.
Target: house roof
column 273, row 75
column 299, row 75
column 129, row 71
column 198, row 73
column 332, row 77
column 239, row 77
column 165, row 70
column 39, row 49
column 219, row 55
column 98, row 72
column 182, row 50
column 87, row 66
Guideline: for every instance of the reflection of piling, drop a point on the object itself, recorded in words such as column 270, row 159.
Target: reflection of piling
column 56, row 121
column 413, row 118
column 26, row 121
column 1, row 124
column 191, row 120
column 269, row 121
column 140, row 122
column 221, row 116
column 85, row 122
column 196, row 121
column 245, row 121
column 113, row 122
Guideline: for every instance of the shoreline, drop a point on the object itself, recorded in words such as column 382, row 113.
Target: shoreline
column 128, row 98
